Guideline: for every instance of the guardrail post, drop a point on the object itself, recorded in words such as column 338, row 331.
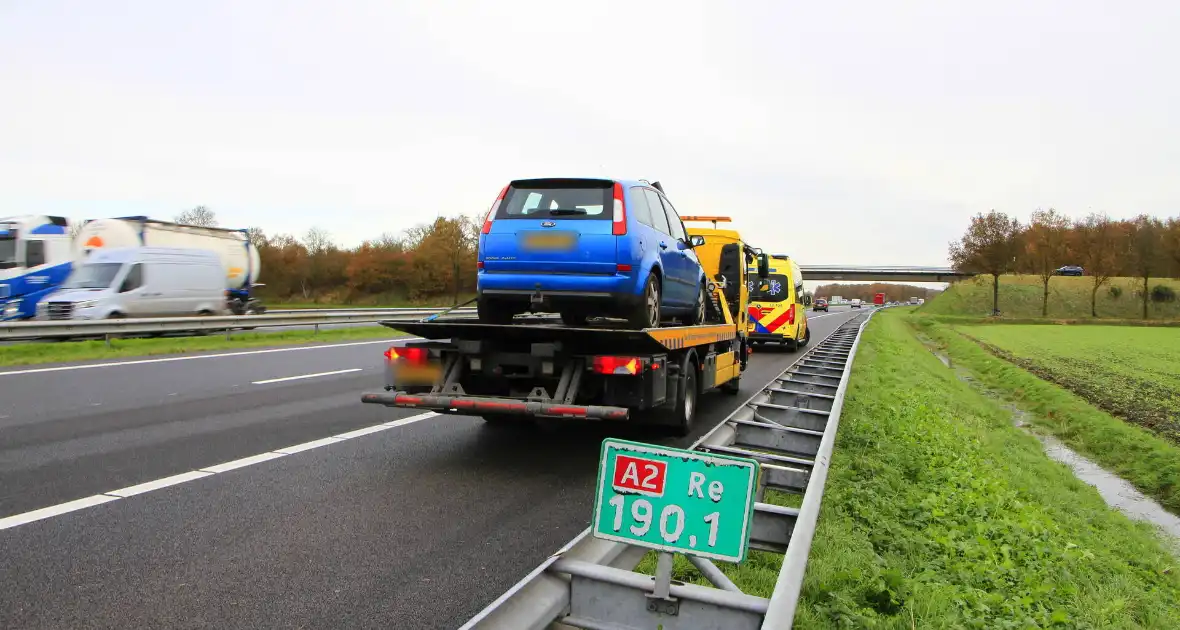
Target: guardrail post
column 317, row 330
column 227, row 332
column 107, row 337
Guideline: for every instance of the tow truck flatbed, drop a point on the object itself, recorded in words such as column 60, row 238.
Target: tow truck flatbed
column 537, row 368
column 601, row 338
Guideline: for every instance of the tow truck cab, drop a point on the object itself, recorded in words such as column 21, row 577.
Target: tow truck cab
column 540, row 369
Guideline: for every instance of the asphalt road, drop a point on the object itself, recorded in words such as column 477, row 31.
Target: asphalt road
column 413, row 526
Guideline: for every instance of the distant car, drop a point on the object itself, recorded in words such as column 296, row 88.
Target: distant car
column 855, row 304
column 587, row 248
column 1071, row 270
column 820, row 305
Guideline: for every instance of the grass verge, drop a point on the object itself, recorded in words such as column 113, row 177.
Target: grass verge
column 938, row 513
column 1149, row 462
column 1069, row 298
column 69, row 351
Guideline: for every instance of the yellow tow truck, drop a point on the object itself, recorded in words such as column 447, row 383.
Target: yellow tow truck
column 533, row 369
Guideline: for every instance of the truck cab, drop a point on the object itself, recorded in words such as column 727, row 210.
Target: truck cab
column 35, row 258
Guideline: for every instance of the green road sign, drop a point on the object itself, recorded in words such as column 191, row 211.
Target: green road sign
column 675, row 500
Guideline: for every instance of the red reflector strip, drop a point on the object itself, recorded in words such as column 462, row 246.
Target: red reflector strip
column 565, row 411
column 623, row 268
column 407, row 400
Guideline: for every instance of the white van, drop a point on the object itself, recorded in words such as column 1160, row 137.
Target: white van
column 140, row 282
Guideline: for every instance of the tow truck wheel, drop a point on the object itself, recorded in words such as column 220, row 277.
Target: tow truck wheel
column 686, row 403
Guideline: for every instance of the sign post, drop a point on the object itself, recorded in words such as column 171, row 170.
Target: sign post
column 674, row 500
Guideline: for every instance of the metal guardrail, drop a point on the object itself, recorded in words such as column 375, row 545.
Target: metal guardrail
column 218, row 323
column 790, row 428
column 358, row 309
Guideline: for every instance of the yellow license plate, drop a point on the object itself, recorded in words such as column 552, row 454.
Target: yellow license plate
column 416, row 374
column 549, row 240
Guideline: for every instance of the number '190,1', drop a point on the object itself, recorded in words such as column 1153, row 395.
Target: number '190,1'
column 670, row 528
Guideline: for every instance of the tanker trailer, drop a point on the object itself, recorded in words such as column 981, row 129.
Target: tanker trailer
column 238, row 255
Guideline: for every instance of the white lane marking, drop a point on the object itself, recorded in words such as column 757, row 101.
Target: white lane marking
column 55, row 510
column 307, row 446
column 209, row 471
column 303, row 376
column 131, row 491
column 92, row 366
column 242, row 463
column 364, row 431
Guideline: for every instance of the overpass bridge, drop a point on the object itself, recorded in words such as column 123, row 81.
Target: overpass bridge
column 889, row 273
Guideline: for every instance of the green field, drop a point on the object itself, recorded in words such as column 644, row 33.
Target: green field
column 939, row 513
column 1133, row 373
column 1069, row 298
column 68, row 351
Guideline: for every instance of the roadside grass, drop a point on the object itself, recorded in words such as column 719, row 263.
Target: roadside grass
column 939, row 513
column 70, row 351
column 1149, row 462
column 1069, row 298
column 1133, row 373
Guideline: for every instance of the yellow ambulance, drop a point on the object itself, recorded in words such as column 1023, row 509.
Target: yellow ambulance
column 778, row 314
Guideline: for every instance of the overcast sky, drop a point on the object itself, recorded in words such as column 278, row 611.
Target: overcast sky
column 839, row 132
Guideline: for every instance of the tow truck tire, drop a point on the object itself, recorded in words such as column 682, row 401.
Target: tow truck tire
column 686, row 401
column 490, row 312
column 646, row 312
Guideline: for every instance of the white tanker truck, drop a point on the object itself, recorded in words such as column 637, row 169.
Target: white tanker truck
column 238, row 255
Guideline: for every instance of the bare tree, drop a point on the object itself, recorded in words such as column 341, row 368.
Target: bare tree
column 1046, row 245
column 1145, row 250
column 318, row 241
column 991, row 245
column 199, row 215
column 1096, row 237
column 256, row 236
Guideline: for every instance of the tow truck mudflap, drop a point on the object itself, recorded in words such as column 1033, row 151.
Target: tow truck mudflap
column 475, row 405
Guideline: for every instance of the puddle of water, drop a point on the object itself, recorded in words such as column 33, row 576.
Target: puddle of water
column 1116, row 491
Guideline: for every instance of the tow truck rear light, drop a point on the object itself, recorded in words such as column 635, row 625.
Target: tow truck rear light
column 487, row 221
column 409, row 355
column 618, row 365
column 619, row 228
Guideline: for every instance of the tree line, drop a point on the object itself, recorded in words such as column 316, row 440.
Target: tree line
column 429, row 262
column 1144, row 247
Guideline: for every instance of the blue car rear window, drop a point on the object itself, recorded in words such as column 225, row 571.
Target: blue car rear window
column 561, row 203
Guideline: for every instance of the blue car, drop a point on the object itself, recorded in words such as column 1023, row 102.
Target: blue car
column 587, row 248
